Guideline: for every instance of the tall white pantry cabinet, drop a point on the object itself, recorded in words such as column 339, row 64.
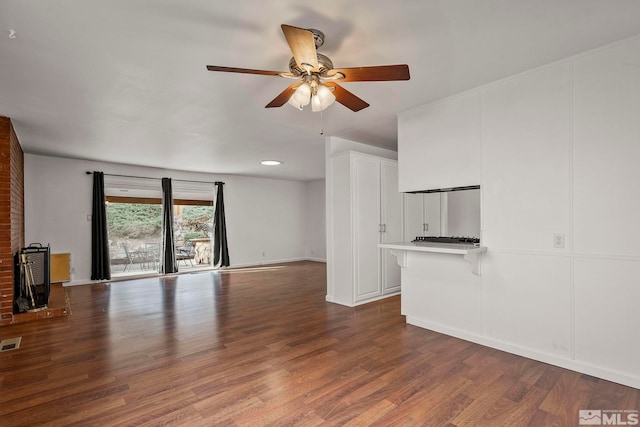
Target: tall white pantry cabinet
column 367, row 210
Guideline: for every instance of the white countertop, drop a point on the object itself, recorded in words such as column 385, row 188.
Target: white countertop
column 447, row 248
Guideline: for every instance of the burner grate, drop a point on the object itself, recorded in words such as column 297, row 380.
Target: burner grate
column 447, row 239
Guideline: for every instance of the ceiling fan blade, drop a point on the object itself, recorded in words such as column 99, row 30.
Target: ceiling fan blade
column 243, row 70
column 302, row 46
column 346, row 98
column 283, row 97
column 379, row 73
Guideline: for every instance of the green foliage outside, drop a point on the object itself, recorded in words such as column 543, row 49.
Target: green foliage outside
column 197, row 219
column 133, row 221
column 193, row 235
column 143, row 221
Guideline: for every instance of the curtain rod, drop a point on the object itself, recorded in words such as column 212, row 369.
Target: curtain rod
column 147, row 177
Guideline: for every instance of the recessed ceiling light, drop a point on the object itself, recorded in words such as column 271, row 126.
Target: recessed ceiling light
column 271, row 162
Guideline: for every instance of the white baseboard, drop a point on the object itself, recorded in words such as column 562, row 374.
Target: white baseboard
column 330, row 299
column 574, row 365
column 113, row 279
column 81, row 282
column 143, row 276
column 275, row 261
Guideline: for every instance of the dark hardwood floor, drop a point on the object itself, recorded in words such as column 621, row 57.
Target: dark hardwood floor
column 260, row 346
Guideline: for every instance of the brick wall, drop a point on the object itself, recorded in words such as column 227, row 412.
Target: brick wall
column 11, row 214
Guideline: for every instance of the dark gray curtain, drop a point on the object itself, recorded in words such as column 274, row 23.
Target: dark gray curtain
column 100, row 267
column 168, row 252
column 220, row 249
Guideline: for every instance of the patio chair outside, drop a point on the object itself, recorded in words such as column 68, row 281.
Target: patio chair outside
column 186, row 253
column 133, row 257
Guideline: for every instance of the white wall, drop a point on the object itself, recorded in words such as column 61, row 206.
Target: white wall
column 449, row 146
column 558, row 150
column 263, row 215
column 335, row 145
column 316, row 243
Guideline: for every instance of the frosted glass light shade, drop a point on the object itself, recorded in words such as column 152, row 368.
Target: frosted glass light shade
column 301, row 96
column 322, row 99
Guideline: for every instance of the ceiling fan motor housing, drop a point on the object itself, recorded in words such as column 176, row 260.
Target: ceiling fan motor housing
column 318, row 37
column 324, row 64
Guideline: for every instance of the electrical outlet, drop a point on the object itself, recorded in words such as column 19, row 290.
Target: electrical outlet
column 558, row 240
column 88, row 217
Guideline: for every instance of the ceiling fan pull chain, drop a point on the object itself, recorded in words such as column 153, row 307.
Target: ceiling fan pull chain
column 321, row 123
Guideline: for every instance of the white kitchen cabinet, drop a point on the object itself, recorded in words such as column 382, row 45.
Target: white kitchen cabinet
column 367, row 210
column 422, row 215
column 439, row 144
column 391, row 218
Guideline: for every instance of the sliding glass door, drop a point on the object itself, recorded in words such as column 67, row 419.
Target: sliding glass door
column 193, row 225
column 134, row 225
column 134, row 231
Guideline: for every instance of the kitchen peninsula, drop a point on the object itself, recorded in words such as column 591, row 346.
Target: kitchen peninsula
column 441, row 285
column 470, row 252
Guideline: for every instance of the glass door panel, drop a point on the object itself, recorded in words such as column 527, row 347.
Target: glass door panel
column 193, row 224
column 134, row 231
column 193, row 231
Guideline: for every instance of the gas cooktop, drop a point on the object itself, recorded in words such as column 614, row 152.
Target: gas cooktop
column 451, row 239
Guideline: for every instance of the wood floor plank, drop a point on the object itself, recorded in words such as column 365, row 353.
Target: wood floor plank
column 487, row 400
column 432, row 405
column 261, row 346
column 62, row 394
column 569, row 394
column 372, row 414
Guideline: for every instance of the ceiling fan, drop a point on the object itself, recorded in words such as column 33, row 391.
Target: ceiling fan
column 316, row 79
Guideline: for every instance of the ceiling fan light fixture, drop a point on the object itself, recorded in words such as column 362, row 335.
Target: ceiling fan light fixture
column 322, row 99
column 313, row 70
column 301, row 96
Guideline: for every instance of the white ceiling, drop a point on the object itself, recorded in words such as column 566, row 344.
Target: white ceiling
column 125, row 80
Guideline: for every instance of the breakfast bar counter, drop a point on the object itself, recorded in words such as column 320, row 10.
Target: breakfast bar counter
column 441, row 285
column 470, row 252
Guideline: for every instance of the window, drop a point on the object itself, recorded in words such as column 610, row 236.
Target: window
column 134, row 228
column 134, row 224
